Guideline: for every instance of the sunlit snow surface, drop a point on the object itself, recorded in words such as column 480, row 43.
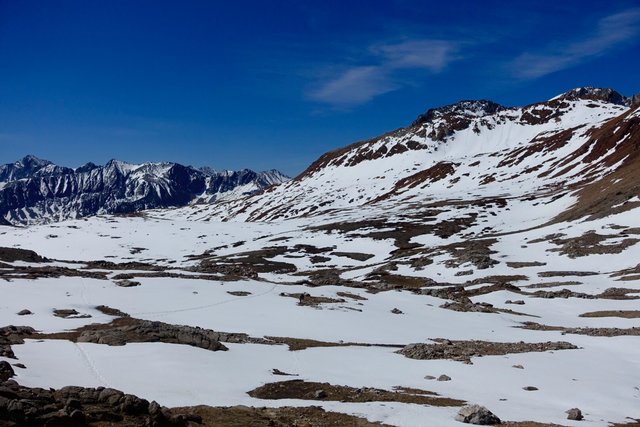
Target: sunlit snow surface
column 336, row 209
column 602, row 377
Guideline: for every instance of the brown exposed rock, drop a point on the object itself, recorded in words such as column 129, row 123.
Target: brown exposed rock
column 306, row 390
column 465, row 350
column 16, row 254
column 127, row 330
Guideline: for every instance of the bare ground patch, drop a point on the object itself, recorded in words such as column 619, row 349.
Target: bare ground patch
column 595, row 332
column 304, row 343
column 310, row 300
column 525, row 264
column 128, row 330
column 464, row 350
column 591, row 243
column 244, row 416
column 625, row 314
column 300, row 389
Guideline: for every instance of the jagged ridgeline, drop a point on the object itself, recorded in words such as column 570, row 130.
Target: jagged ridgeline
column 37, row 191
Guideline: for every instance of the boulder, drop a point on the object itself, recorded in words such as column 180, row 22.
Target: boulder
column 574, row 414
column 478, row 415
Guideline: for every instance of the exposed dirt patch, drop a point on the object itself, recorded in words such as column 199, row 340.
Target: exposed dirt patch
column 552, row 284
column 245, row 264
column 308, row 299
column 625, row 314
column 174, row 275
column 476, row 252
column 619, row 293
column 69, row 313
column 313, row 250
column 127, row 330
column 632, row 273
column 591, row 243
column 318, row 259
column 296, row 344
column 562, row 293
column 528, row 424
column 244, row 416
column 350, row 295
column 115, row 266
column 358, row 256
column 595, row 332
column 239, row 293
column 32, row 273
column 300, row 389
column 382, row 280
column 109, row 311
column 567, row 273
column 525, row 264
column 435, row 173
column 464, row 350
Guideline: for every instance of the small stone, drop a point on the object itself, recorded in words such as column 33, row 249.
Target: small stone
column 517, row 302
column 429, row 377
column 319, row 394
column 518, row 366
column 444, row 378
column 574, row 414
column 19, row 365
column 530, row 388
column 397, row 311
column 24, row 312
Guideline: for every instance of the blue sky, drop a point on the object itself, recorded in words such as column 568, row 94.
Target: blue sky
column 274, row 84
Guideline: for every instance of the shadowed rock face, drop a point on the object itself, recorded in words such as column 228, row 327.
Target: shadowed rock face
column 78, row 406
column 37, row 191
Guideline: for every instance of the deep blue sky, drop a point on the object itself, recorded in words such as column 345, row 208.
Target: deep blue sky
column 274, row 84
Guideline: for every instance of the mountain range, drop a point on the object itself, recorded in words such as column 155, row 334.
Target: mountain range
column 37, row 191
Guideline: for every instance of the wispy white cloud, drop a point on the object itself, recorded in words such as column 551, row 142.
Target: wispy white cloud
column 433, row 55
column 611, row 32
column 354, row 86
column 359, row 84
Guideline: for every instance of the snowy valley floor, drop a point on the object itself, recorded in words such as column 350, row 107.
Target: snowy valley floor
column 329, row 308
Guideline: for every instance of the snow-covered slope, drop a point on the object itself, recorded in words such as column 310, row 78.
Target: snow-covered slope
column 37, row 191
column 468, row 149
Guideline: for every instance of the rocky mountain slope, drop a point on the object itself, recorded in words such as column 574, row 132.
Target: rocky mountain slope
column 37, row 191
column 471, row 149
